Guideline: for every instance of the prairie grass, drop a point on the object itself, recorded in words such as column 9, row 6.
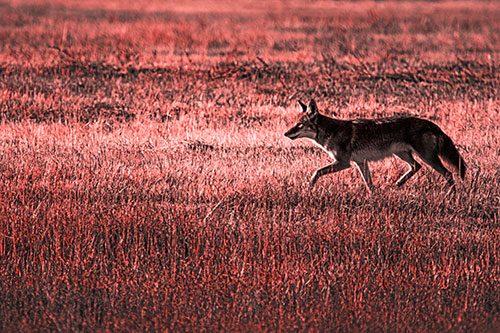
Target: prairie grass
column 145, row 182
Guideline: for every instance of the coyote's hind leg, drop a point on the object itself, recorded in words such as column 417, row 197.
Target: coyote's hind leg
column 433, row 160
column 414, row 166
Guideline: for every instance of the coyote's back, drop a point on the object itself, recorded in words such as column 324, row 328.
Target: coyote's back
column 364, row 140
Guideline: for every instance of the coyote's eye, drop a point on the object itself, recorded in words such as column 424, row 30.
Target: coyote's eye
column 300, row 126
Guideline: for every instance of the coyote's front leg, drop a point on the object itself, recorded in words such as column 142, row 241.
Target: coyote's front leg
column 337, row 166
column 365, row 173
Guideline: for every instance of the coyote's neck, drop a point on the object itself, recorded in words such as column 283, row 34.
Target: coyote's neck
column 326, row 128
column 327, row 132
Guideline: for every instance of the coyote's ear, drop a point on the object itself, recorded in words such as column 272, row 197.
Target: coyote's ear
column 313, row 108
column 303, row 106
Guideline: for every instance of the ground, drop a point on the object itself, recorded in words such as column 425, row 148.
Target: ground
column 146, row 184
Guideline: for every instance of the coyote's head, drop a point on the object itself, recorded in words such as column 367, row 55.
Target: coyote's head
column 307, row 126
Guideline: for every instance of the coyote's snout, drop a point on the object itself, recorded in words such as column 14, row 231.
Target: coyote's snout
column 364, row 140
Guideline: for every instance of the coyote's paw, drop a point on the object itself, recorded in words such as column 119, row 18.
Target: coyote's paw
column 314, row 179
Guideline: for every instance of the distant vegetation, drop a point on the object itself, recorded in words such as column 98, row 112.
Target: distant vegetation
column 145, row 182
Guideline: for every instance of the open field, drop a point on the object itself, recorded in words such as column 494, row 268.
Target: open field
column 145, row 182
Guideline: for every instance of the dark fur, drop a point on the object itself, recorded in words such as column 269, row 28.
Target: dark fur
column 364, row 140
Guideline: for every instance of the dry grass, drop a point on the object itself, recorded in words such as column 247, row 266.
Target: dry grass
column 145, row 182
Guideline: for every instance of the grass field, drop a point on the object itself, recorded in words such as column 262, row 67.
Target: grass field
column 145, row 182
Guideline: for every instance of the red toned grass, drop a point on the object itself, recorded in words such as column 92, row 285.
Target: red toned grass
column 145, row 182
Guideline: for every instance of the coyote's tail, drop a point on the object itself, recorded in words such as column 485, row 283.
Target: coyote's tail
column 449, row 153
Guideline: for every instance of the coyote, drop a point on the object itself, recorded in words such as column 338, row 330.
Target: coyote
column 364, row 140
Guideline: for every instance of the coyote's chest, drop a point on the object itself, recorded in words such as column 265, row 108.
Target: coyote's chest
column 331, row 151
